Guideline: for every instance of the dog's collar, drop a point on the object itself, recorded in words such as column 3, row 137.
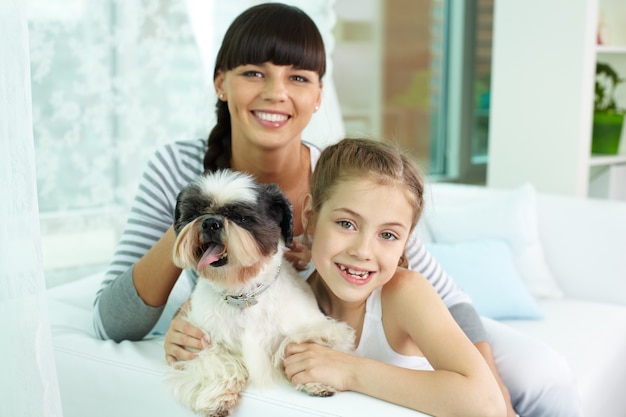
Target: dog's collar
column 250, row 298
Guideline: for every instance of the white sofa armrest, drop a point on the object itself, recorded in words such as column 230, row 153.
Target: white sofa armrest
column 585, row 245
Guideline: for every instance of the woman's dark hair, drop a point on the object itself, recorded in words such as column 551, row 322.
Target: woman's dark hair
column 270, row 32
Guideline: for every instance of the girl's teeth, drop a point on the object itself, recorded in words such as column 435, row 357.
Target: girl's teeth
column 351, row 271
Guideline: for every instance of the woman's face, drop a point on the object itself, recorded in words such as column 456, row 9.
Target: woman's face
column 359, row 236
column 269, row 104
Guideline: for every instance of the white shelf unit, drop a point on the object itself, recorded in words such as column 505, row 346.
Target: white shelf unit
column 611, row 49
column 603, row 160
column 543, row 76
column 607, row 173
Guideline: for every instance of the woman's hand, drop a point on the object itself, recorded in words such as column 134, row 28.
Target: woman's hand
column 299, row 255
column 310, row 362
column 183, row 339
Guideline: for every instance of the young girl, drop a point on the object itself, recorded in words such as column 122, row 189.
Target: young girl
column 365, row 201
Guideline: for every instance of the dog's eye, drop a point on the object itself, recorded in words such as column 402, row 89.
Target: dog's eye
column 243, row 219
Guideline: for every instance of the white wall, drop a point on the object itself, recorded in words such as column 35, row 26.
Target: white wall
column 542, row 94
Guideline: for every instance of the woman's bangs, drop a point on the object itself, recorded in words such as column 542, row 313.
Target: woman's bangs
column 281, row 49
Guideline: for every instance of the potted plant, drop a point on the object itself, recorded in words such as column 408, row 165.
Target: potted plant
column 607, row 117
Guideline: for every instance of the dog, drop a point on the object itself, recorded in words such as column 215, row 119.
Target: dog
column 250, row 301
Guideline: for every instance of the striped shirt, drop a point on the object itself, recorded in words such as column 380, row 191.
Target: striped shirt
column 119, row 312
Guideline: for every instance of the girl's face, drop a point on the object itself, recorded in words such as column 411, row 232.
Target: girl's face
column 269, row 104
column 359, row 235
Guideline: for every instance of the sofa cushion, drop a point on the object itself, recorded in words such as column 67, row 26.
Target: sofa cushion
column 459, row 213
column 485, row 270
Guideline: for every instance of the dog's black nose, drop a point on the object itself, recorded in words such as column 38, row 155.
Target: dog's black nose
column 212, row 224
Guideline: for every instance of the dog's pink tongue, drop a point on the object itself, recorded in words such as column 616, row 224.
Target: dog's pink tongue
column 212, row 254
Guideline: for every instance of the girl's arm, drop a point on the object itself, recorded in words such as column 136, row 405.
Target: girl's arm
column 461, row 383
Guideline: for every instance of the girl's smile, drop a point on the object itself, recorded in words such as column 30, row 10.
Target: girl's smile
column 354, row 275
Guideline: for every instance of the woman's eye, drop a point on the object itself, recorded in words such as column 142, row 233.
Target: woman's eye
column 300, row 78
column 252, row 74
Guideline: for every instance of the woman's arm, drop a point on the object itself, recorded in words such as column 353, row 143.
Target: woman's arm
column 461, row 383
column 157, row 262
column 141, row 274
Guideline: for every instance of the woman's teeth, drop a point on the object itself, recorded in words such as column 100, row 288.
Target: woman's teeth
column 271, row 117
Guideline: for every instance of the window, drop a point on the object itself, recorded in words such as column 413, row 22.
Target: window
column 418, row 73
column 390, row 72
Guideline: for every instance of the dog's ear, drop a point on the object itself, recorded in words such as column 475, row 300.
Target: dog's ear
column 281, row 209
column 177, row 222
column 186, row 204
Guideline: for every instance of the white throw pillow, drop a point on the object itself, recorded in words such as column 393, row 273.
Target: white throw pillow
column 508, row 215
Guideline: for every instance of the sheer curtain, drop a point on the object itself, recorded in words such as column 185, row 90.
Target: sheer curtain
column 112, row 81
column 28, row 386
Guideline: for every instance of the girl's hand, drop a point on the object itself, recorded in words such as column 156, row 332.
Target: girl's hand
column 310, row 362
column 183, row 339
column 299, row 255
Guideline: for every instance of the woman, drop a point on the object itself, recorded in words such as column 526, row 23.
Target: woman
column 268, row 78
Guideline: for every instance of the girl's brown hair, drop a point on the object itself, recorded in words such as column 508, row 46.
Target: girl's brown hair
column 381, row 162
column 270, row 32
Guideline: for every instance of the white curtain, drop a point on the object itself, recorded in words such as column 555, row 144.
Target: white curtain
column 28, row 385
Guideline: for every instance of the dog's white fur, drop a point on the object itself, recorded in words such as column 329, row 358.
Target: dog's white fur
column 247, row 344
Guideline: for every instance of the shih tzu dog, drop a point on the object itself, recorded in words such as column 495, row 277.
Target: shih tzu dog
column 249, row 300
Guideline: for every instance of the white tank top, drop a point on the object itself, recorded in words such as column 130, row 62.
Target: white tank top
column 373, row 343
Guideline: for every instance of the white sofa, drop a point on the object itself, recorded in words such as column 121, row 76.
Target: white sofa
column 583, row 244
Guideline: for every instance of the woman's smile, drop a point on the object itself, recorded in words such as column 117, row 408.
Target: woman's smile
column 271, row 119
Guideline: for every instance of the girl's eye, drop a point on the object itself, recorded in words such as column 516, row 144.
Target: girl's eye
column 345, row 224
column 388, row 236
